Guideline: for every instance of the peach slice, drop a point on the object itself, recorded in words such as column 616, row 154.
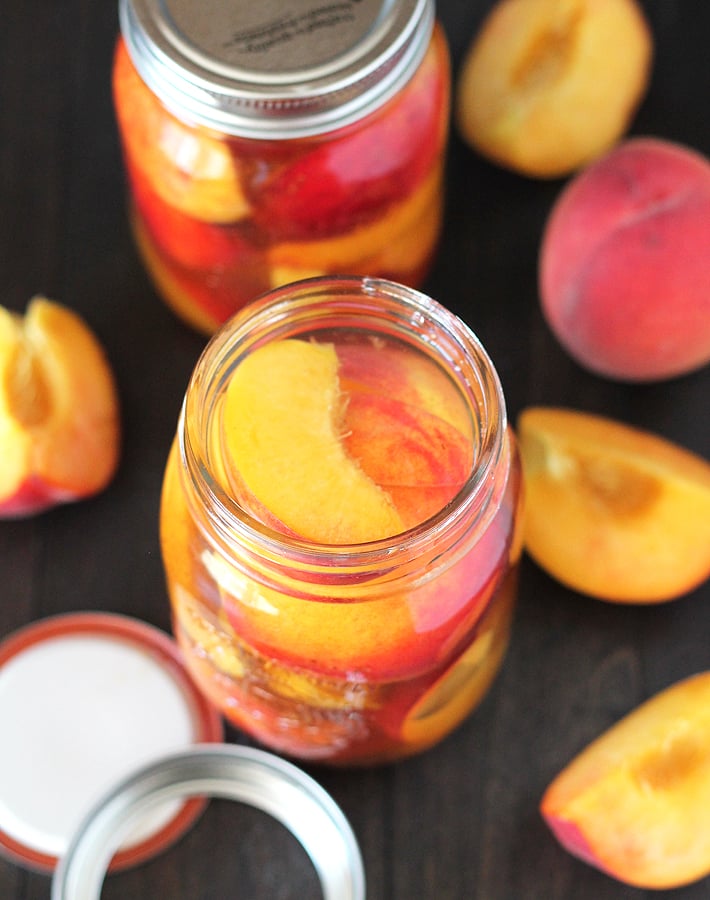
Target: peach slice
column 419, row 459
column 548, row 85
column 203, row 302
column 59, row 419
column 342, row 252
column 282, row 429
column 286, row 437
column 381, row 635
column 403, row 376
column 636, row 802
column 613, row 511
column 331, row 186
column 189, row 168
column 464, row 684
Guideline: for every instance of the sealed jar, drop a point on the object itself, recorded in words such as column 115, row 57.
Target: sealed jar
column 265, row 144
column 340, row 521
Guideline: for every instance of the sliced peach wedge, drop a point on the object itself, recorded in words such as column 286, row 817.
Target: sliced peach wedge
column 636, row 802
column 282, row 422
column 613, row 511
column 59, row 417
column 191, row 169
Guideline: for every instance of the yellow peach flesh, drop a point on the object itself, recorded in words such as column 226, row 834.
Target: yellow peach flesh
column 58, row 406
column 613, row 511
column 292, row 397
column 636, row 801
column 548, row 85
column 282, row 432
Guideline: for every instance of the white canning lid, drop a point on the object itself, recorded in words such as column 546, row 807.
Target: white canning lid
column 86, row 698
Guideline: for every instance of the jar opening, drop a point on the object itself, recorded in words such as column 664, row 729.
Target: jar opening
column 319, row 309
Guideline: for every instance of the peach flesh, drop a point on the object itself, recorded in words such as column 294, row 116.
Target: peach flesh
column 59, row 425
column 612, row 511
column 636, row 802
column 624, row 275
column 206, row 183
column 282, row 421
column 549, row 85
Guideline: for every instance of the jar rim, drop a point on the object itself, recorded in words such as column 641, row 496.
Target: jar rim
column 292, row 309
column 274, row 93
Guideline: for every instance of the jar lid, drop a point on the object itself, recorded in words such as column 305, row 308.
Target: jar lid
column 271, row 71
column 85, row 698
column 251, row 776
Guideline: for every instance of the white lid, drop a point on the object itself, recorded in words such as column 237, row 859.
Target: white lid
column 85, row 699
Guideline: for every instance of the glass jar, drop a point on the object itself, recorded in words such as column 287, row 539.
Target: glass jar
column 265, row 145
column 378, row 642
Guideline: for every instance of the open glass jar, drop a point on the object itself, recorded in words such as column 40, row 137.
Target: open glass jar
column 340, row 521
column 266, row 145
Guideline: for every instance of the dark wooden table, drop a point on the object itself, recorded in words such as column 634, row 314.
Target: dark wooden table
column 462, row 820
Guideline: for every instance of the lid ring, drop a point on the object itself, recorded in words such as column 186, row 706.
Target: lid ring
column 231, row 772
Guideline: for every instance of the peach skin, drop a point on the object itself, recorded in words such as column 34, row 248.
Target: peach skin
column 612, row 511
column 549, row 85
column 59, row 418
column 624, row 273
column 205, row 183
column 636, row 802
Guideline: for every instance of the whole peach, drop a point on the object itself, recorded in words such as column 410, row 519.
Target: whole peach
column 625, row 262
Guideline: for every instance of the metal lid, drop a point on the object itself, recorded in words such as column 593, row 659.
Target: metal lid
column 85, row 698
column 230, row 772
column 266, row 70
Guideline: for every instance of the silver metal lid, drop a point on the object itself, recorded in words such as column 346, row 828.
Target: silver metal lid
column 251, row 776
column 269, row 70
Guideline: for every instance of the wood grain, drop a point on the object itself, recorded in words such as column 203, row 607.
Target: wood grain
column 459, row 822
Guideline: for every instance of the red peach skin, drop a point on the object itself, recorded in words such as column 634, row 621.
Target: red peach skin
column 625, row 263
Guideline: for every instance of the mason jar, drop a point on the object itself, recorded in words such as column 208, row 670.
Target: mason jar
column 266, row 144
column 340, row 521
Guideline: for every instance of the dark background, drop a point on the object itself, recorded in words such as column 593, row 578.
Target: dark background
column 462, row 820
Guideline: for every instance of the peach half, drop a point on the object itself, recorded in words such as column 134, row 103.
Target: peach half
column 548, row 85
column 624, row 272
column 636, row 802
column 59, row 417
column 613, row 511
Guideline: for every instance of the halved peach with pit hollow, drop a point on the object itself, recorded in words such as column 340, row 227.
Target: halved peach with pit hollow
column 59, row 417
column 614, row 511
column 548, row 85
column 636, row 802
